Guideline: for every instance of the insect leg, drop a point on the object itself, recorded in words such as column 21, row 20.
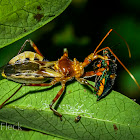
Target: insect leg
column 35, row 47
column 32, row 44
column 90, row 58
column 93, row 73
column 23, row 46
column 53, row 82
column 85, row 82
column 49, row 63
column 43, row 84
column 11, row 96
column 55, row 99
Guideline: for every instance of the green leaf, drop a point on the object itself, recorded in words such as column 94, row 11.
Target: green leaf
column 13, row 132
column 113, row 117
column 19, row 18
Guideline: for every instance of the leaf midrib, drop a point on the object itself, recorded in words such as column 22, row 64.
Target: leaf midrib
column 70, row 114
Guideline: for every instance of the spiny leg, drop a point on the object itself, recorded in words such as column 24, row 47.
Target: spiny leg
column 85, row 82
column 32, row 44
column 55, row 99
column 11, row 96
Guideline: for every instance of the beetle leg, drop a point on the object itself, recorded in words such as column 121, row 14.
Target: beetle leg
column 85, row 82
column 55, row 99
column 11, row 96
column 32, row 44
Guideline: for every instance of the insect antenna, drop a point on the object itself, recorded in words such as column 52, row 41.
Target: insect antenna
column 119, row 36
column 125, row 43
column 102, row 40
column 121, row 64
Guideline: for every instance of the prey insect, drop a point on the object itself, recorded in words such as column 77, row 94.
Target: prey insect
column 30, row 69
column 105, row 81
column 105, row 69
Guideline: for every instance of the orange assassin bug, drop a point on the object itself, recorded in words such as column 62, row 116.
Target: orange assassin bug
column 30, row 69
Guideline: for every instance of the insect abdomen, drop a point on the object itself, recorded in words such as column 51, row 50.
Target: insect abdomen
column 27, row 55
column 101, row 87
column 23, row 68
column 25, row 72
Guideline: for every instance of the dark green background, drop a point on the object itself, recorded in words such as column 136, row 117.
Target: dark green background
column 82, row 26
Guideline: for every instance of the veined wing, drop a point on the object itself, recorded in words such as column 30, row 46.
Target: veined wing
column 29, row 72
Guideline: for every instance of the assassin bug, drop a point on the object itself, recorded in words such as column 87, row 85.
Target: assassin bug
column 31, row 69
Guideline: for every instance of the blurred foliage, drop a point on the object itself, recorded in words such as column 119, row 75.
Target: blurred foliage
column 82, row 26
column 67, row 37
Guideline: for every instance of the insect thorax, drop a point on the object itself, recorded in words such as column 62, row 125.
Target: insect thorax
column 65, row 66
